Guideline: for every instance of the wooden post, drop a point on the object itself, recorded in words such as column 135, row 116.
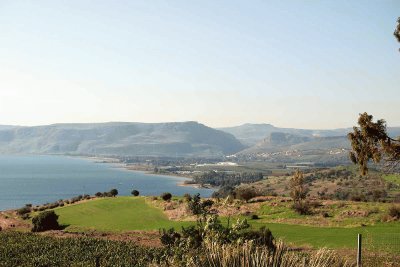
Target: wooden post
column 359, row 243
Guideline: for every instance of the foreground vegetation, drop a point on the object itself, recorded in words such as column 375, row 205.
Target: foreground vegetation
column 26, row 249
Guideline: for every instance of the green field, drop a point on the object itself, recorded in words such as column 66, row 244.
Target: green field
column 331, row 237
column 128, row 213
column 393, row 178
column 115, row 214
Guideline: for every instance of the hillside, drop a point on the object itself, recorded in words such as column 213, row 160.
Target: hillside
column 251, row 134
column 134, row 139
column 267, row 142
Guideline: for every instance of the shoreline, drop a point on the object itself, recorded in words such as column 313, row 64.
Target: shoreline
column 125, row 166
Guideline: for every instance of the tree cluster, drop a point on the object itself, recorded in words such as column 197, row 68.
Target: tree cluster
column 227, row 179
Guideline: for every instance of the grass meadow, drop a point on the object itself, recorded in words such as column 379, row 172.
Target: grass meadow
column 121, row 214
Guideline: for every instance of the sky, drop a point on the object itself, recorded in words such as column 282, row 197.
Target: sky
column 302, row 64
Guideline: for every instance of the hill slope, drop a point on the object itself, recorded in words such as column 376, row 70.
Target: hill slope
column 251, row 134
column 134, row 139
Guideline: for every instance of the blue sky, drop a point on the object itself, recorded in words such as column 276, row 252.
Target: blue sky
column 304, row 64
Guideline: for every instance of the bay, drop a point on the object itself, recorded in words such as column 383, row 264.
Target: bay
column 39, row 179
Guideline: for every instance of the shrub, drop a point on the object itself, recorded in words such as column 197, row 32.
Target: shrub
column 254, row 217
column 135, row 193
column 99, row 194
column 166, row 196
column 358, row 197
column 302, row 208
column 260, row 237
column 196, row 206
column 187, row 197
column 23, row 210
column 246, row 193
column 107, row 194
column 46, row 220
column 25, row 216
column 113, row 192
column 394, row 211
column 169, row 237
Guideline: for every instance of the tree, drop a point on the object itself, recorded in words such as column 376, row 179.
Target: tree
column 397, row 30
column 135, row 193
column 298, row 188
column 371, row 141
column 113, row 192
column 166, row 196
column 46, row 220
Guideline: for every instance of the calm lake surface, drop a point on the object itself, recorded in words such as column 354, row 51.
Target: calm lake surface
column 42, row 179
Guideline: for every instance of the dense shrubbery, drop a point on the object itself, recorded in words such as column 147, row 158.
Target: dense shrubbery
column 245, row 193
column 302, row 208
column 210, row 228
column 25, row 249
column 196, row 206
column 24, row 210
column 46, row 220
column 394, row 212
column 135, row 193
column 224, row 179
column 166, row 196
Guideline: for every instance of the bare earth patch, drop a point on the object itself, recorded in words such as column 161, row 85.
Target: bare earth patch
column 10, row 220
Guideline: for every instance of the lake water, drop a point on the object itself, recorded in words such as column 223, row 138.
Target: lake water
column 42, row 179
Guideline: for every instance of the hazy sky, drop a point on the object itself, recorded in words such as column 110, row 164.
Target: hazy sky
column 304, row 64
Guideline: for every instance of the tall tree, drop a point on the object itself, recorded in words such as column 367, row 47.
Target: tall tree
column 397, row 30
column 298, row 188
column 370, row 141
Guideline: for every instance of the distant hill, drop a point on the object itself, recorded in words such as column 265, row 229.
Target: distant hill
column 268, row 142
column 251, row 134
column 174, row 139
column 188, row 139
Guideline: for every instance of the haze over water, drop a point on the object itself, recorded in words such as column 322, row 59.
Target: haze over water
column 41, row 179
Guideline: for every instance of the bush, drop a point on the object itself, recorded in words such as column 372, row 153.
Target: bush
column 260, row 237
column 166, row 196
column 47, row 220
column 246, row 193
column 135, row 193
column 187, row 197
column 394, row 211
column 23, row 210
column 113, row 192
column 302, row 208
column 196, row 206
column 99, row 194
column 169, row 237
column 254, row 217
